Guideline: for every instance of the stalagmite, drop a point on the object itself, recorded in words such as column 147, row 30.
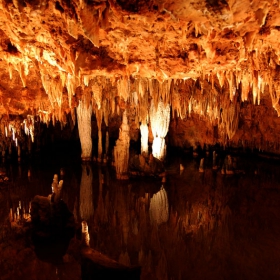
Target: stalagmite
column 84, row 112
column 160, row 118
column 121, row 150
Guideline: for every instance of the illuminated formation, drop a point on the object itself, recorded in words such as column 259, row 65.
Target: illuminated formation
column 160, row 117
column 209, row 65
column 85, row 234
column 84, row 112
column 121, row 149
column 144, row 138
column 21, row 213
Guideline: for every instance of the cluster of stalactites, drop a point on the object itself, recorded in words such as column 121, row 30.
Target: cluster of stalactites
column 247, row 81
column 13, row 128
column 20, row 64
column 207, row 96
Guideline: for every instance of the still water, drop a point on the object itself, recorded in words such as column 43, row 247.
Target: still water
column 193, row 226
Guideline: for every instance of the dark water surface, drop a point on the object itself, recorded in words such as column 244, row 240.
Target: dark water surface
column 194, row 226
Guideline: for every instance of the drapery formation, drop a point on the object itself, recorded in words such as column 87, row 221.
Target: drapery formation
column 160, row 118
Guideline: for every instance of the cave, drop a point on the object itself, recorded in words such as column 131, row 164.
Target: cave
column 160, row 119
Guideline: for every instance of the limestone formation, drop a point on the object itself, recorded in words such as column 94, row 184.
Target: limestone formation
column 214, row 64
column 121, row 150
column 84, row 112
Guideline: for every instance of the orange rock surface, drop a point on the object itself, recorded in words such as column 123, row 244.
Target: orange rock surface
column 215, row 61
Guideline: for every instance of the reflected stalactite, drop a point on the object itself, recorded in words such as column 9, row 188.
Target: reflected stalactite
column 106, row 146
column 85, row 234
column 160, row 118
column 122, row 215
column 100, row 215
column 161, row 269
column 86, row 193
column 124, row 258
column 121, row 150
column 84, row 112
column 159, row 207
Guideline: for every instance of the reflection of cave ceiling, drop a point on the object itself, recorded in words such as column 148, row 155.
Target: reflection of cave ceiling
column 200, row 56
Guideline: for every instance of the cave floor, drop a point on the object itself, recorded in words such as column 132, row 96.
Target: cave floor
column 194, row 226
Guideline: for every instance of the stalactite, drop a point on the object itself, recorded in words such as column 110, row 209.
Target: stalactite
column 160, row 118
column 255, row 87
column 154, row 89
column 29, row 126
column 97, row 92
column 165, row 91
column 245, row 81
column 123, row 86
column 231, row 84
column 144, row 138
column 99, row 114
column 71, row 84
column 85, row 234
column 121, row 150
column 10, row 71
column 84, row 113
column 230, row 118
column 221, row 78
column 54, row 89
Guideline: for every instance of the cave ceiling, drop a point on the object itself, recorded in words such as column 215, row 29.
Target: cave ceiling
column 54, row 52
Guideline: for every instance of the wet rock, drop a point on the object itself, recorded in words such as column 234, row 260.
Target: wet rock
column 140, row 165
column 53, row 226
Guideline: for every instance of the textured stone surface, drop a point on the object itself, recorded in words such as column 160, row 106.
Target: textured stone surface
column 210, row 60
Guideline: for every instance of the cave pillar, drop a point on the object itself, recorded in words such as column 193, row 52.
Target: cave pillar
column 144, row 138
column 121, row 150
column 84, row 112
column 160, row 118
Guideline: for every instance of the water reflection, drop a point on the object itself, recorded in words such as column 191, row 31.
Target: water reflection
column 198, row 226
column 86, row 193
column 159, row 209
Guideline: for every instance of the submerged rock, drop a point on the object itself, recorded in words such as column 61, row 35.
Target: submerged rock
column 53, row 226
column 140, row 165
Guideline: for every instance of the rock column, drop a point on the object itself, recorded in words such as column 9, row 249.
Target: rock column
column 121, row 150
column 84, row 112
